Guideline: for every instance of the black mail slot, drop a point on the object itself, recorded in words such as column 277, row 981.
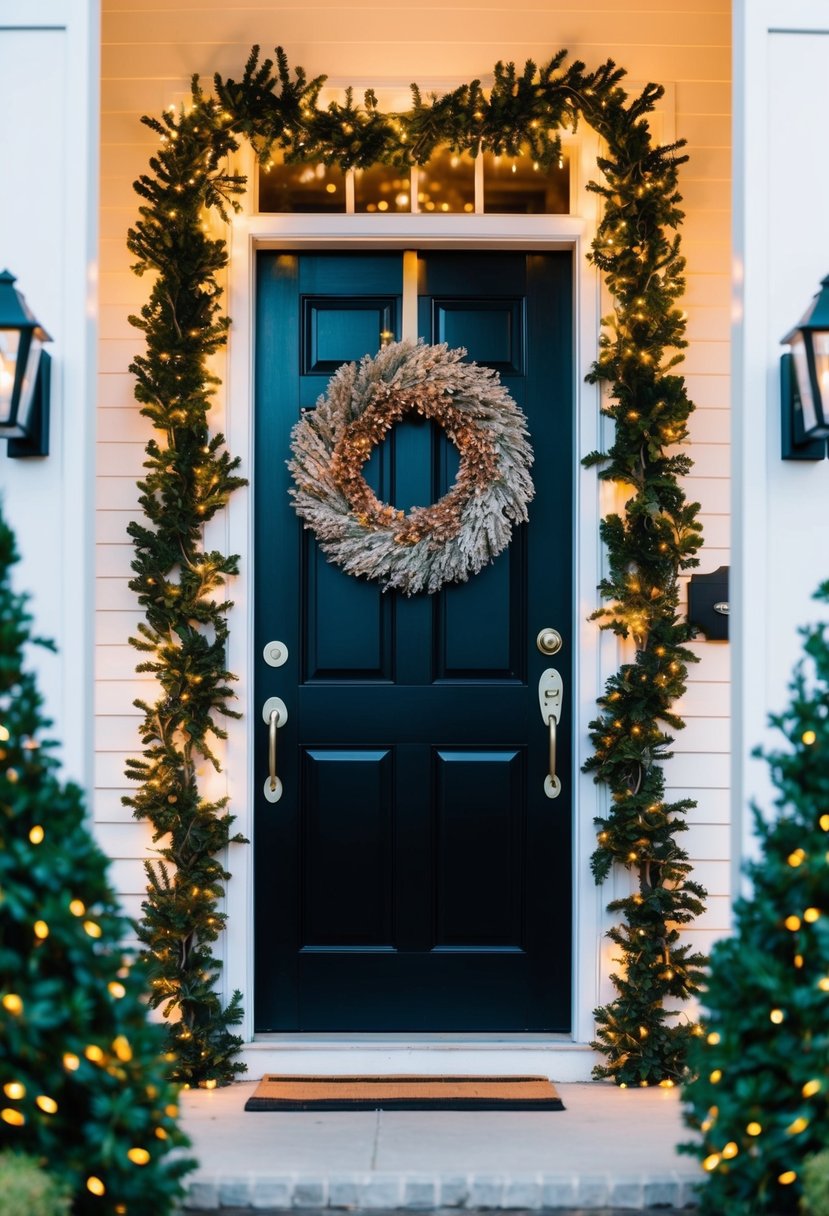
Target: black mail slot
column 708, row 604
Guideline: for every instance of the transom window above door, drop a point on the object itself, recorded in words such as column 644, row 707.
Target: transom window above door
column 450, row 182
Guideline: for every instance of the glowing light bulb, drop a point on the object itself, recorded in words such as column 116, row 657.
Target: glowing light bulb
column 14, row 1090
column 138, row 1156
column 36, row 834
column 122, row 1049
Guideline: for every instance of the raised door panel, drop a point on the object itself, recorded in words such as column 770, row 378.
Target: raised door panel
column 347, row 817
column 480, row 811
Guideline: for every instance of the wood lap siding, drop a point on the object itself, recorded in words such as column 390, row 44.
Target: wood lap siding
column 148, row 54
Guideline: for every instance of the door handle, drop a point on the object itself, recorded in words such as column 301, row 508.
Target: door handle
column 275, row 715
column 550, row 699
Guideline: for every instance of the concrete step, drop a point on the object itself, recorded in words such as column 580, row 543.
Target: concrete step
column 608, row 1150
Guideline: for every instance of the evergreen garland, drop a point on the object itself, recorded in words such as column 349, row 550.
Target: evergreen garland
column 191, row 476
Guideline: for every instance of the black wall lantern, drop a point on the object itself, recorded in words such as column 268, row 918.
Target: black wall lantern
column 24, row 375
column 804, row 383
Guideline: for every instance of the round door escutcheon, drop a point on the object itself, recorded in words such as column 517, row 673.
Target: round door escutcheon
column 275, row 703
column 275, row 654
column 552, row 787
column 549, row 641
column 275, row 793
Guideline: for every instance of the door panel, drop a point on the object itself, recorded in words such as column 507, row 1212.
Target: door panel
column 413, row 875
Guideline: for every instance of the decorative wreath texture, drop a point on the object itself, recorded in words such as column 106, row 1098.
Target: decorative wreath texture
column 429, row 546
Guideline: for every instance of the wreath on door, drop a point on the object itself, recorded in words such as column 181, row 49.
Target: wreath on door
column 427, row 547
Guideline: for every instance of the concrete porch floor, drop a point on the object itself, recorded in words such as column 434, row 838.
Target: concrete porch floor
column 609, row 1149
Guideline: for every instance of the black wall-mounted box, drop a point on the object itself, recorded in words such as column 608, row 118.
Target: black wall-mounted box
column 708, row 604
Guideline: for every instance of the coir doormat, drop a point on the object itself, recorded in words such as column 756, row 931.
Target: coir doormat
column 404, row 1093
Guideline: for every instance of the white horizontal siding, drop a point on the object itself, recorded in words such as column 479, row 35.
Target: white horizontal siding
column 149, row 53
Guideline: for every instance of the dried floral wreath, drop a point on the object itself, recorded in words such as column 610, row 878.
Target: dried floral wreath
column 430, row 546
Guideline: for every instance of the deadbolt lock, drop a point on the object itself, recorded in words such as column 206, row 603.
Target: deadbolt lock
column 549, row 641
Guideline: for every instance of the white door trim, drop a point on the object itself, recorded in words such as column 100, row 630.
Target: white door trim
column 595, row 653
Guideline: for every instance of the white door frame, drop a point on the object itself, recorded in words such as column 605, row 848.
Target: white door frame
column 595, row 657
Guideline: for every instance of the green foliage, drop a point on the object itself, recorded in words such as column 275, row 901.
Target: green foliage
column 27, row 1189
column 83, row 1082
column 190, row 477
column 648, row 545
column 759, row 1096
column 815, row 1198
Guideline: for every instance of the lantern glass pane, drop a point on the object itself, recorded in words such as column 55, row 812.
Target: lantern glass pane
column 29, row 383
column 9, row 346
column 804, row 383
column 820, row 340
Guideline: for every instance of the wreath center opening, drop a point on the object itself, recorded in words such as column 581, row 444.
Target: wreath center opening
column 387, row 407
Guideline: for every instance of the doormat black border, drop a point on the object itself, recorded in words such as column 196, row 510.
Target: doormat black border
column 432, row 1103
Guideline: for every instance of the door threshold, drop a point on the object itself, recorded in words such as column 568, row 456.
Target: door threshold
column 432, row 1038
column 551, row 1055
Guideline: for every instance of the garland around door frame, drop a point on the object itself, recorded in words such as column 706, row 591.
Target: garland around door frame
column 190, row 477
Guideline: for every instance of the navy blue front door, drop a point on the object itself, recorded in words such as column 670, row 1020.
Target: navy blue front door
column 413, row 876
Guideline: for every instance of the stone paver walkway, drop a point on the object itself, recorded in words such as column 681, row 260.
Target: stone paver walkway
column 609, row 1148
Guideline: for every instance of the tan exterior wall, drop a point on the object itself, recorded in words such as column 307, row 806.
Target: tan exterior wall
column 150, row 50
